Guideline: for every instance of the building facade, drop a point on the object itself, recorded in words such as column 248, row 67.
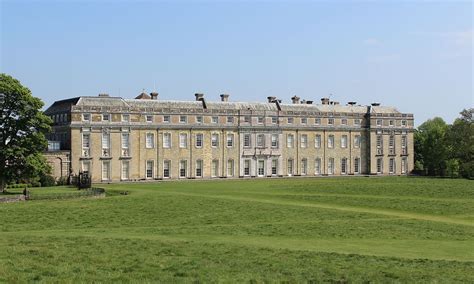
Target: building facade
column 116, row 139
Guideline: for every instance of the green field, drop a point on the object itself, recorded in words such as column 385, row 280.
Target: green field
column 392, row 229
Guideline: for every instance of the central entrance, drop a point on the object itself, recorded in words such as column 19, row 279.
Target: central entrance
column 261, row 168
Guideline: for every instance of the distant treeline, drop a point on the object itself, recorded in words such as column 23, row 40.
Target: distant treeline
column 446, row 149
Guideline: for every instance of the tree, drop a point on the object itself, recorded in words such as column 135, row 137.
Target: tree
column 430, row 144
column 22, row 132
column 460, row 138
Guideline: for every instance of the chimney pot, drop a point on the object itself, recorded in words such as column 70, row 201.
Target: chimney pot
column 271, row 99
column 295, row 99
column 375, row 104
column 325, row 101
column 104, row 95
column 351, row 103
column 154, row 96
column 199, row 96
column 224, row 97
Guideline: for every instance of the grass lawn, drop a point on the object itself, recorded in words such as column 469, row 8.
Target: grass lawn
column 391, row 229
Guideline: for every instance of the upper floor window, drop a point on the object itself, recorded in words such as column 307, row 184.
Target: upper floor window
column 183, row 140
column 317, row 121
column 331, row 141
column 290, row 140
column 105, row 117
column 125, row 117
column 199, row 138
column 274, row 140
column 166, row 140
column 304, row 141
column 378, row 122
column 86, row 117
column 260, row 140
column 330, row 121
column 344, row 141
column 214, row 140
column 86, row 140
column 199, row 119
column 149, row 118
column 183, row 119
column 357, row 141
column 230, row 119
column 247, row 140
column 357, row 121
column 274, row 120
column 247, row 119
column 404, row 123
column 304, row 120
column 150, row 140
column 215, row 119
column 290, row 120
column 230, row 140
column 344, row 121
column 166, row 118
column 317, row 141
column 391, row 122
column 260, row 120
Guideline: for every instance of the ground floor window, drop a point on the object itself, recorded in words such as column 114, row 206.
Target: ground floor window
column 290, row 167
column 391, row 166
column 344, row 166
column 182, row 168
column 379, row 165
column 261, row 168
column 357, row 165
column 274, row 167
column 404, row 165
column 105, row 170
column 331, row 166
column 86, row 167
column 199, row 168
column 230, row 168
column 304, row 167
column 166, row 168
column 125, row 170
column 317, row 166
column 149, row 169
column 246, row 167
column 215, row 168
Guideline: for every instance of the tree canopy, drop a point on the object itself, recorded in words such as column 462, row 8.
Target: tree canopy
column 446, row 150
column 22, row 132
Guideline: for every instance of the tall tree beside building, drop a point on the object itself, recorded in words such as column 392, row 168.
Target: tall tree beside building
column 431, row 147
column 460, row 140
column 22, row 132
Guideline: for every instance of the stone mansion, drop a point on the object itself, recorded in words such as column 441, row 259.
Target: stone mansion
column 116, row 139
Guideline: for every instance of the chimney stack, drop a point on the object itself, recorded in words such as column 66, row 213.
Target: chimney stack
column 375, row 104
column 309, row 102
column 154, row 96
column 325, row 101
column 351, row 103
column 271, row 99
column 224, row 97
column 199, row 97
column 295, row 100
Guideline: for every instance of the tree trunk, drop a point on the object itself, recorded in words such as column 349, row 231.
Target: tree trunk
column 2, row 185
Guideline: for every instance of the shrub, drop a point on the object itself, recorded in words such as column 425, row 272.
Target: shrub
column 47, row 180
column 62, row 181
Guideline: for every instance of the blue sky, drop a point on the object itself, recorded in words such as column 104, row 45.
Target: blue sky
column 415, row 55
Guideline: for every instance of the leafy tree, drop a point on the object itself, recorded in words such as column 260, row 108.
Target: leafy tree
column 430, row 145
column 22, row 133
column 460, row 138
